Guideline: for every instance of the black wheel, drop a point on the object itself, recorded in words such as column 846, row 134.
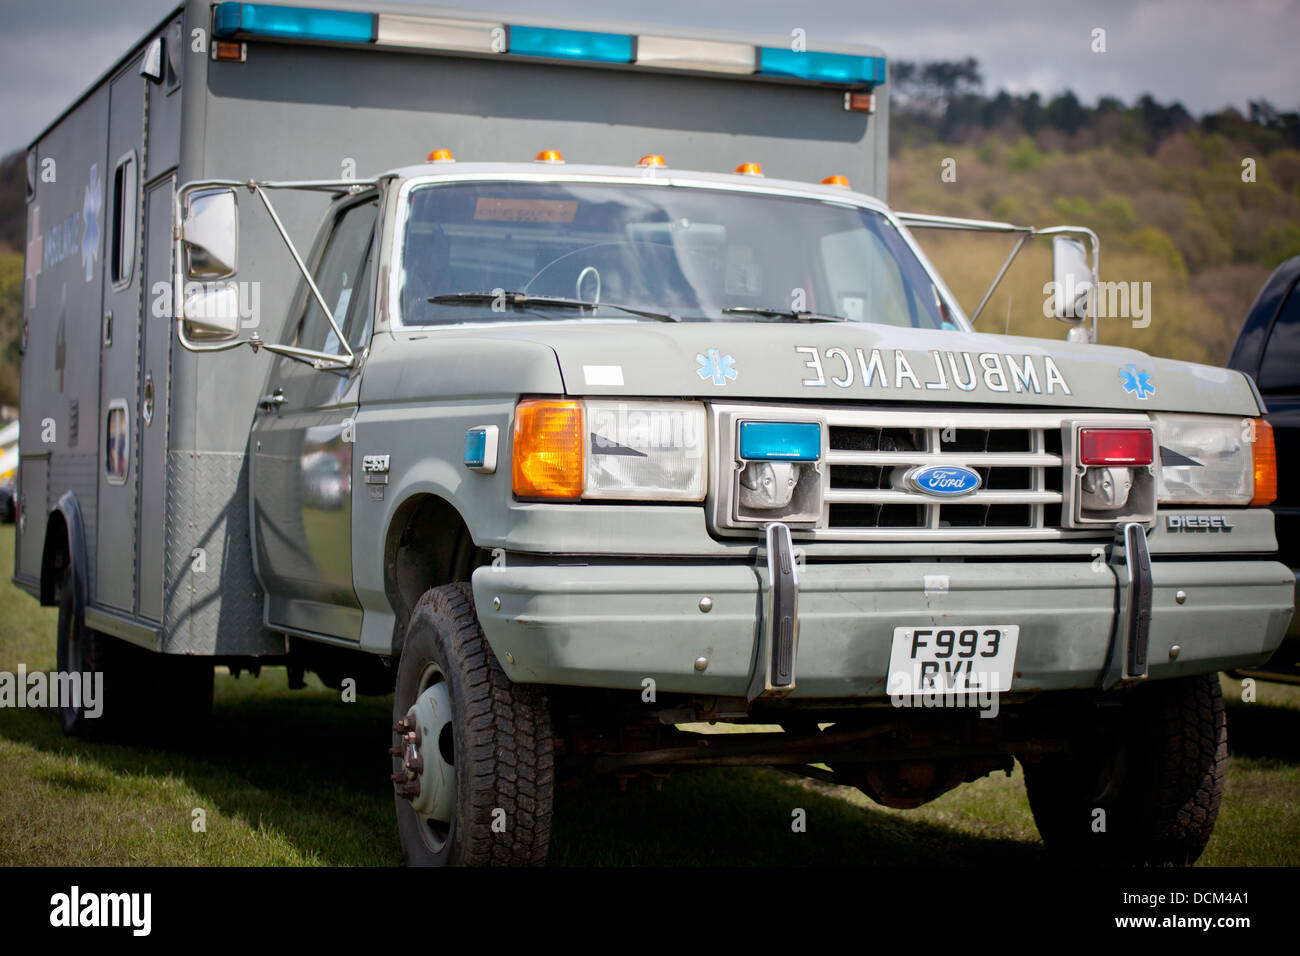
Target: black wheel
column 89, row 657
column 129, row 684
column 473, row 752
column 1144, row 782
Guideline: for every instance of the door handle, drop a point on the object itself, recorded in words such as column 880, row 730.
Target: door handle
column 272, row 401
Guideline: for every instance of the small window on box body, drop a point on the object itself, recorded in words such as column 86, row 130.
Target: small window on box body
column 117, row 442
column 122, row 251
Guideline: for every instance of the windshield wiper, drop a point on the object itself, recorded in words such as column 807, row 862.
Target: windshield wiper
column 791, row 314
column 525, row 300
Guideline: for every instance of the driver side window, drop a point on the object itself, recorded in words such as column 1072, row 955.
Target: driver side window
column 343, row 277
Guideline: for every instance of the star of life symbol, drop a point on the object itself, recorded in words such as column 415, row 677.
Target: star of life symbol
column 1137, row 382
column 716, row 366
column 90, row 208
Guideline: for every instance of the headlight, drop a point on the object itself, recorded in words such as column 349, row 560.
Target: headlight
column 1215, row 460
column 630, row 451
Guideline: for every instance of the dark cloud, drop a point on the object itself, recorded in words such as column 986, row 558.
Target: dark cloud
column 1203, row 53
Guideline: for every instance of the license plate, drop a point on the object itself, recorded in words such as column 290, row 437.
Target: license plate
column 953, row 660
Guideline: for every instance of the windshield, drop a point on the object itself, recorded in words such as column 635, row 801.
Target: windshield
column 673, row 253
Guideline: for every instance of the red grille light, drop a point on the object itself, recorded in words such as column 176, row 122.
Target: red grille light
column 1116, row 446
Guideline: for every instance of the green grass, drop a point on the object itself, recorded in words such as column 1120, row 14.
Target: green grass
column 301, row 778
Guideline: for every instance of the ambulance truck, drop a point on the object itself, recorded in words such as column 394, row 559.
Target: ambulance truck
column 574, row 384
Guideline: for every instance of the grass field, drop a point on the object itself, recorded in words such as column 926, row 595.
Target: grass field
column 301, row 778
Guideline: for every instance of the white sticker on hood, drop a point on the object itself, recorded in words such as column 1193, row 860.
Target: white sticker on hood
column 603, row 374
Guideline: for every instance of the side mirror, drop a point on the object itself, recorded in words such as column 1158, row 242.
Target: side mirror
column 212, row 310
column 210, row 232
column 1072, row 280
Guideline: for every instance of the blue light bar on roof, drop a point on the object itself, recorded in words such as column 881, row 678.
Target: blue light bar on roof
column 840, row 68
column 571, row 44
column 780, row 441
column 233, row 20
column 292, row 23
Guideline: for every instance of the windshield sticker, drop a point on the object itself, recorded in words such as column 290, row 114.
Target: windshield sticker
column 1137, row 381
column 936, row 372
column 716, row 366
column 525, row 210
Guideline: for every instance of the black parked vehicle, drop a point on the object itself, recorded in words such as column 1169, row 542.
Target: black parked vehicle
column 1268, row 349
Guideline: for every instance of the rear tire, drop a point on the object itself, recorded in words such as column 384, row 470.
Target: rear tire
column 1154, row 768
column 494, row 750
column 134, row 686
column 82, row 651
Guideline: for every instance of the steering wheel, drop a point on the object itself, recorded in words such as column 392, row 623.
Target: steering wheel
column 651, row 270
column 577, row 286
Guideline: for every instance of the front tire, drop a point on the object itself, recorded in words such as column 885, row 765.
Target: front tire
column 473, row 753
column 1144, row 783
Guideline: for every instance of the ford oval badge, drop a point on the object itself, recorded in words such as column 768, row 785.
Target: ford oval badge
column 943, row 481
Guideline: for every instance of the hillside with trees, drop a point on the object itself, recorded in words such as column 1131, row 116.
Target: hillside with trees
column 1203, row 209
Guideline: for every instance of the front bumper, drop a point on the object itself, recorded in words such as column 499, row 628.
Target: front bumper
column 612, row 625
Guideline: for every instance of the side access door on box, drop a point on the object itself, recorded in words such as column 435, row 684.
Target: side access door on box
column 119, row 385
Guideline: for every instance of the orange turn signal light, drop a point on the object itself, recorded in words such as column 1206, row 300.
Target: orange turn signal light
column 652, row 159
column 549, row 156
column 836, row 180
column 547, row 452
column 1265, row 454
column 750, row 169
column 440, row 156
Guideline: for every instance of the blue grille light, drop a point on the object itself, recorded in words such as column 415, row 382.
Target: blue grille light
column 292, row 23
column 481, row 449
column 780, row 441
column 571, row 44
column 824, row 67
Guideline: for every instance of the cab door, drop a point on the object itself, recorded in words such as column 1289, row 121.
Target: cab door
column 302, row 439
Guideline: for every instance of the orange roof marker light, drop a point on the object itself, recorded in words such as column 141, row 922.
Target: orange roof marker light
column 750, row 169
column 440, row 156
column 836, row 180
column 652, row 159
column 549, row 156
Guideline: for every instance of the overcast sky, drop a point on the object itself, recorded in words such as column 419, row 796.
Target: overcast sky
column 1203, row 53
